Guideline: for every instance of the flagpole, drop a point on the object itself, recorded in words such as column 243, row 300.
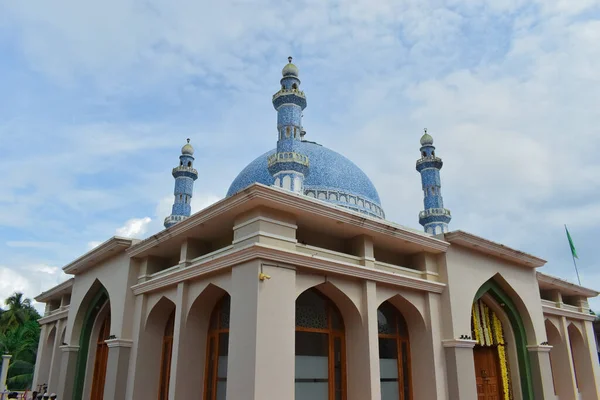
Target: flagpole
column 576, row 271
column 573, row 254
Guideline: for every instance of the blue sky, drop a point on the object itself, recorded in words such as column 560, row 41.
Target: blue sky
column 96, row 100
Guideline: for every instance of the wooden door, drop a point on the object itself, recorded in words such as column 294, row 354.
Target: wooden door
column 487, row 373
column 101, row 361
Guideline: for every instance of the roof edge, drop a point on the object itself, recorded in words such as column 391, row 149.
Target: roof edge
column 498, row 250
column 99, row 253
column 48, row 294
column 562, row 283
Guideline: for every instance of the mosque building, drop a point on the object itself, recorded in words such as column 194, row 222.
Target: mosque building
column 295, row 286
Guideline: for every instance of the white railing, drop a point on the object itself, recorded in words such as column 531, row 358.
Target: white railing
column 183, row 168
column 288, row 156
column 284, row 92
column 434, row 211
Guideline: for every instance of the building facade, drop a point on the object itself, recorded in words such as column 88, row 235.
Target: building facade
column 295, row 286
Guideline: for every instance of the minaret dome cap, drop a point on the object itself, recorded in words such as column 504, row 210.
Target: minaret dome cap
column 426, row 139
column 290, row 69
column 187, row 150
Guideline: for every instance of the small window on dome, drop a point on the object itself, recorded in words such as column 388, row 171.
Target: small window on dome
column 294, row 86
column 189, row 163
column 424, row 154
column 181, row 163
column 433, row 153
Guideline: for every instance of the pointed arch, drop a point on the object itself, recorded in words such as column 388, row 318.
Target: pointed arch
column 90, row 307
column 410, row 306
column 194, row 336
column 320, row 345
column 555, row 340
column 150, row 345
column 493, row 289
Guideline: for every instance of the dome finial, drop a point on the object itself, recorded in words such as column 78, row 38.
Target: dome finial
column 188, row 139
column 290, row 70
column 426, row 139
column 187, row 149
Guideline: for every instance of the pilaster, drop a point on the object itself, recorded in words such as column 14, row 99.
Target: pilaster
column 180, row 373
column 56, row 356
column 460, row 369
column 41, row 354
column 117, row 368
column 68, row 369
column 541, row 372
column 262, row 333
column 562, row 363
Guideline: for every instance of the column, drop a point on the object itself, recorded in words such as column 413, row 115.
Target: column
column 117, row 365
column 434, row 385
column 40, row 358
column 541, row 372
column 562, row 363
column 262, row 333
column 589, row 377
column 137, row 377
column 68, row 369
column 362, row 349
column 181, row 374
column 56, row 356
column 5, row 363
column 460, row 369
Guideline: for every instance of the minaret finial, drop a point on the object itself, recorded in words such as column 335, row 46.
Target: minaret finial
column 188, row 139
column 425, row 130
column 434, row 218
column 290, row 59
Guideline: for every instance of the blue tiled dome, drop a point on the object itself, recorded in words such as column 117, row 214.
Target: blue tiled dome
column 332, row 178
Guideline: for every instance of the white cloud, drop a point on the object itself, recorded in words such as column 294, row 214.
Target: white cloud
column 134, row 228
column 93, row 244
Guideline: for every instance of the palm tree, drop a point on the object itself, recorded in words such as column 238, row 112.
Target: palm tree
column 18, row 312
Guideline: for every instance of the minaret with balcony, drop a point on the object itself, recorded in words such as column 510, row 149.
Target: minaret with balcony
column 434, row 218
column 184, row 175
column 289, row 166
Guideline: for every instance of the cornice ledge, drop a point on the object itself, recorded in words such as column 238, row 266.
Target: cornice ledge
column 459, row 343
column 488, row 247
column 199, row 218
column 567, row 313
column 97, row 253
column 350, row 217
column 553, row 280
column 53, row 317
column 540, row 348
column 119, row 343
column 68, row 348
column 47, row 295
column 257, row 250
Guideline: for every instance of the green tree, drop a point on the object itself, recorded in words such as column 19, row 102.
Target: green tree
column 19, row 310
column 19, row 336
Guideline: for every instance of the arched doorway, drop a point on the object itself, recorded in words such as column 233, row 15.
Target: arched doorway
column 320, row 349
column 513, row 326
column 394, row 354
column 165, row 358
column 100, row 360
column 97, row 306
column 491, row 363
column 217, row 351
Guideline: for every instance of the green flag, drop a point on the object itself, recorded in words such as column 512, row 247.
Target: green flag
column 573, row 251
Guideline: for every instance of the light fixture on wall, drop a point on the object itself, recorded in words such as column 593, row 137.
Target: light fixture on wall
column 262, row 276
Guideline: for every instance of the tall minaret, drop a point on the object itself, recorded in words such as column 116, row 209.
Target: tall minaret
column 434, row 218
column 289, row 166
column 184, row 175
